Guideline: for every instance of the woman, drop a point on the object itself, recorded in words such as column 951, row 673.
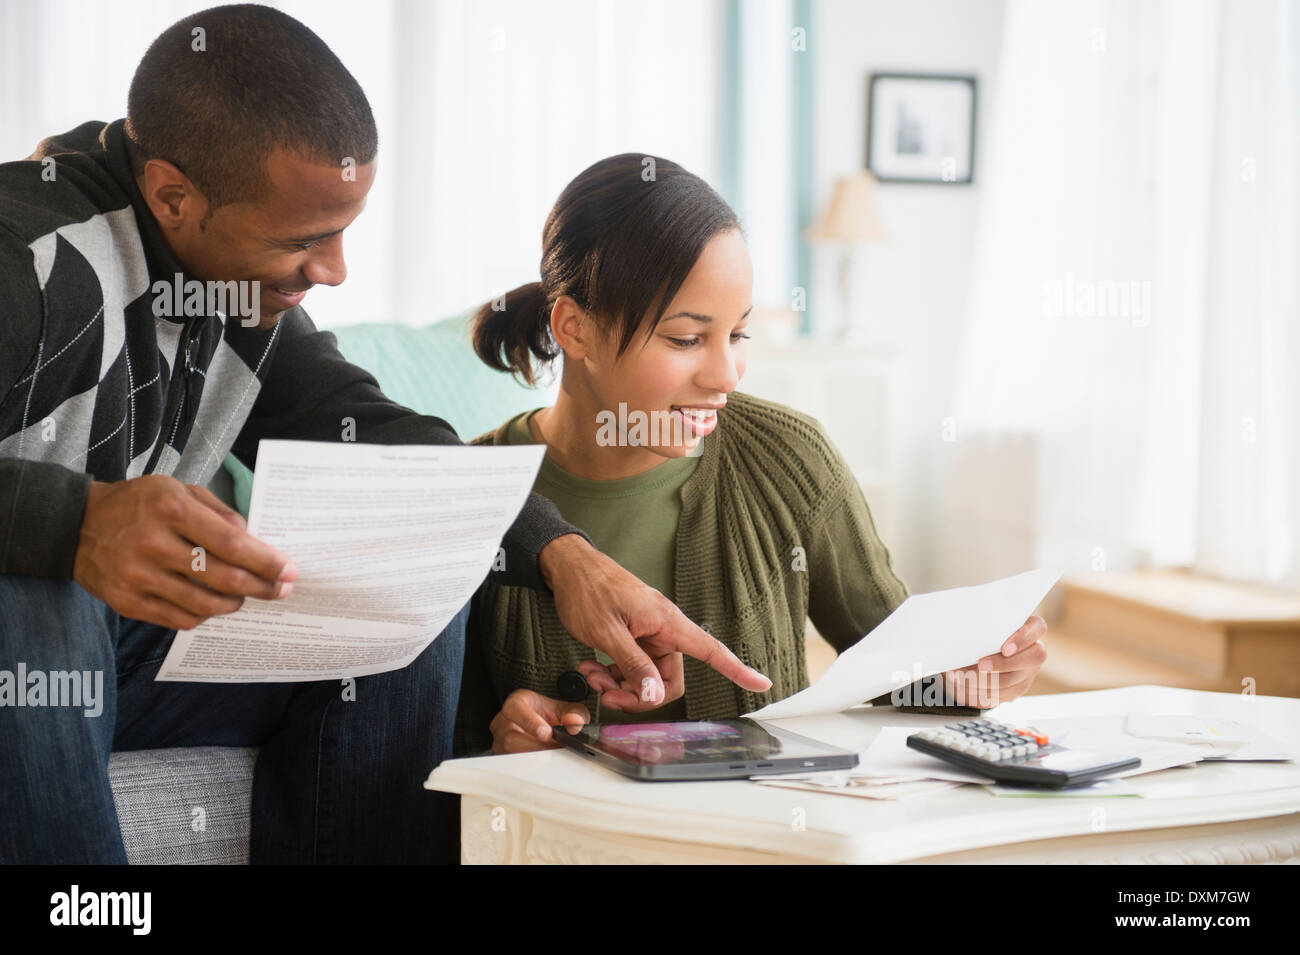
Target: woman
column 738, row 509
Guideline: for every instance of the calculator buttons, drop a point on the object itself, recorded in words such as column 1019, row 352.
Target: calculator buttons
column 994, row 740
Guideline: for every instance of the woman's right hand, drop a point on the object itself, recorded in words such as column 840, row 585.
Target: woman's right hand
column 525, row 721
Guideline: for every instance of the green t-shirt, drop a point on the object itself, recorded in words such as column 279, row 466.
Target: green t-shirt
column 633, row 520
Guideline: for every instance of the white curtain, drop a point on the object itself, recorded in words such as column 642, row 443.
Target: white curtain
column 1133, row 311
column 761, row 198
column 512, row 100
column 1248, row 504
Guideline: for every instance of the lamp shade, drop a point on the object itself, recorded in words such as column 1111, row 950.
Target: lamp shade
column 851, row 214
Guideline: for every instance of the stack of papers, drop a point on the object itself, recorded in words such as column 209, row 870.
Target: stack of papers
column 1106, row 734
column 887, row 769
column 1112, row 786
column 890, row 769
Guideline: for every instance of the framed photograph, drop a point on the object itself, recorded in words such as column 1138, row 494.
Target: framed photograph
column 921, row 128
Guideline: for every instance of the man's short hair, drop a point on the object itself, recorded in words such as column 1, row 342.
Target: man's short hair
column 216, row 103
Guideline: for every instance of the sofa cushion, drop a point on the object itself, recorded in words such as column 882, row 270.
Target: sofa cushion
column 184, row 806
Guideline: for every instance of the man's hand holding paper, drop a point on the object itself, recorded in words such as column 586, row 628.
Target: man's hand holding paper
column 172, row 554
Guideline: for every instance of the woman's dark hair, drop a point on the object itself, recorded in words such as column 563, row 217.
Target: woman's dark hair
column 620, row 240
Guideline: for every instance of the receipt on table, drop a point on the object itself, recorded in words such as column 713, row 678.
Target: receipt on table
column 390, row 542
column 926, row 633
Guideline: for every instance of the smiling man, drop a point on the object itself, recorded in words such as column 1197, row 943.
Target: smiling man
column 246, row 152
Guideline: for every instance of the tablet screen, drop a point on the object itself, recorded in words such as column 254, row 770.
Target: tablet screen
column 696, row 742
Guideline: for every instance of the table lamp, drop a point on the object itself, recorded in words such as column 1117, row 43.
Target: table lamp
column 848, row 221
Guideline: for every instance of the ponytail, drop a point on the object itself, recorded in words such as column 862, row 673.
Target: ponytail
column 512, row 338
column 620, row 245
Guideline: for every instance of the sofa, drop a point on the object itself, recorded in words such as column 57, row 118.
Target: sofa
column 431, row 369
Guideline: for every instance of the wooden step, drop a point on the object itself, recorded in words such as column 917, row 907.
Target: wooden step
column 1075, row 663
column 1188, row 596
column 1216, row 634
column 1145, row 630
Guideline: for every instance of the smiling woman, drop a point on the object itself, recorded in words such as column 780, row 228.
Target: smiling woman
column 739, row 510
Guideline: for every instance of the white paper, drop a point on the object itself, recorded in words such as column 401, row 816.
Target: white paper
column 1221, row 739
column 926, row 633
column 855, row 787
column 889, row 755
column 1106, row 734
column 1111, row 786
column 390, row 541
column 887, row 761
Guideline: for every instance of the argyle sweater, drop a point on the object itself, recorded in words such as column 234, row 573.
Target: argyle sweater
column 94, row 385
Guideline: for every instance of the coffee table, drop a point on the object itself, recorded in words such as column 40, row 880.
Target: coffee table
column 556, row 807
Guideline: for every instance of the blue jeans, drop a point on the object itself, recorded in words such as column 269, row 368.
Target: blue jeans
column 336, row 781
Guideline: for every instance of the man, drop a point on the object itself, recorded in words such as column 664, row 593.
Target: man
column 246, row 151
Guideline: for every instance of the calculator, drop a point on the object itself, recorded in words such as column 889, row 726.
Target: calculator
column 1017, row 755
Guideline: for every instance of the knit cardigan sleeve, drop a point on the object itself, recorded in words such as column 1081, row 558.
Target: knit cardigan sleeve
column 852, row 586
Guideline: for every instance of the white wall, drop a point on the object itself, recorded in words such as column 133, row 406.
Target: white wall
column 911, row 290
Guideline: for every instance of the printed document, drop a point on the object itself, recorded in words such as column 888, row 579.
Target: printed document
column 390, row 542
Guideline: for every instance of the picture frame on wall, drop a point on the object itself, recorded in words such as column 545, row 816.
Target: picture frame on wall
column 921, row 128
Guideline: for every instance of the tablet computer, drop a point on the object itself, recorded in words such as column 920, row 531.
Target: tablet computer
column 710, row 749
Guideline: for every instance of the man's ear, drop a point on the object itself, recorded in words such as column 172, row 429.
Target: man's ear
column 172, row 197
column 571, row 328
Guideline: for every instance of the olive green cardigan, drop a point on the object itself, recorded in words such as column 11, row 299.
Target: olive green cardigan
column 774, row 529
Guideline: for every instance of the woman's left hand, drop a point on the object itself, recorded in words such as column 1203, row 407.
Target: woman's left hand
column 1003, row 676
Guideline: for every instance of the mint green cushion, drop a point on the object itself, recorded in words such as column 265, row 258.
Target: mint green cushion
column 432, row 370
